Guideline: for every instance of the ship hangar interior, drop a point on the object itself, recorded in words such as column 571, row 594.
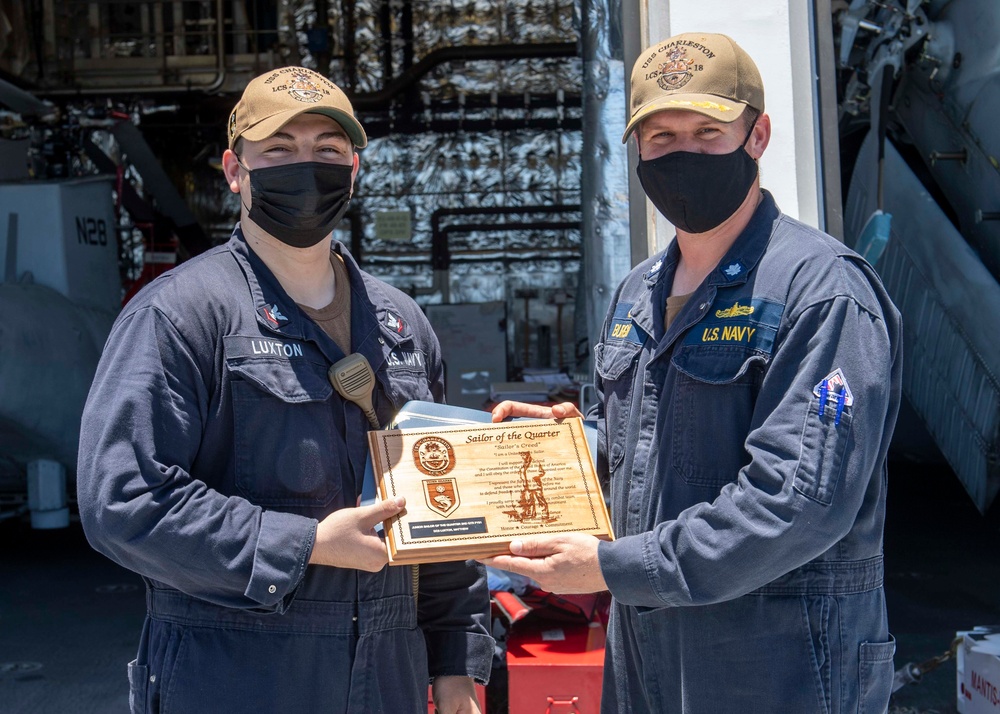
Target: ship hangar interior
column 495, row 191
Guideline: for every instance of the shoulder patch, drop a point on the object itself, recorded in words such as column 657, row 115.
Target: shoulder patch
column 832, row 385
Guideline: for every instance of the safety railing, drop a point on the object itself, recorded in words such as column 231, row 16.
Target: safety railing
column 178, row 45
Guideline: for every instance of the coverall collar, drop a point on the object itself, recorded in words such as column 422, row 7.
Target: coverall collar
column 734, row 269
column 372, row 312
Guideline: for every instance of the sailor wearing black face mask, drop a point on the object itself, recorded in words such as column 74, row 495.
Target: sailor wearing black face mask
column 695, row 190
column 218, row 462
column 299, row 204
column 748, row 381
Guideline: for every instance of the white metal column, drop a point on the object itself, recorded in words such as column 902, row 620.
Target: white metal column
column 779, row 35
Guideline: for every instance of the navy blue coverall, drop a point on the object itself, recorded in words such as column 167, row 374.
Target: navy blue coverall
column 746, row 446
column 212, row 443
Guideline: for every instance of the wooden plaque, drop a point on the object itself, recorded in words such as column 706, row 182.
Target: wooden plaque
column 471, row 490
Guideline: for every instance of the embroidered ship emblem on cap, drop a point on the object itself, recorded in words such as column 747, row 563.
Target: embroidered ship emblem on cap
column 676, row 71
column 303, row 89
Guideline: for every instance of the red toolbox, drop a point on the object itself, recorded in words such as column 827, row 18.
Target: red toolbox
column 555, row 668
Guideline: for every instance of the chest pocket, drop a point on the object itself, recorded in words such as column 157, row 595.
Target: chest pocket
column 615, row 362
column 403, row 377
column 712, row 407
column 288, row 440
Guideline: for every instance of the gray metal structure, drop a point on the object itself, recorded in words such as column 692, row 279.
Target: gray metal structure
column 951, row 311
column 59, row 294
column 604, row 182
column 942, row 187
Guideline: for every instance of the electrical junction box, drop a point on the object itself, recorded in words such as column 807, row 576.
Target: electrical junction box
column 978, row 671
column 555, row 668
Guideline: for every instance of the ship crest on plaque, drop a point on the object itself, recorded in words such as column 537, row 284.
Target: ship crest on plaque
column 441, row 495
column 531, row 506
column 433, row 456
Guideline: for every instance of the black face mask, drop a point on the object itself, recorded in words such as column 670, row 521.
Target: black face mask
column 697, row 192
column 299, row 204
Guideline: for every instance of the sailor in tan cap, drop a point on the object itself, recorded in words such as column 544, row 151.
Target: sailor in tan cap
column 219, row 463
column 293, row 135
column 274, row 98
column 699, row 100
column 749, row 379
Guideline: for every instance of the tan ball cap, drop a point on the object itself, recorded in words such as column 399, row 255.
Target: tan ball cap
column 275, row 98
column 700, row 72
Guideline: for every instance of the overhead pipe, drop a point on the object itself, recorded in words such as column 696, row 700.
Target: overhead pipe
column 208, row 88
column 220, row 49
column 479, row 255
column 385, row 26
column 378, row 124
column 370, row 101
column 441, row 253
column 347, row 8
column 440, row 213
column 384, row 127
column 409, row 78
column 440, row 281
column 381, row 125
column 439, row 238
column 406, row 31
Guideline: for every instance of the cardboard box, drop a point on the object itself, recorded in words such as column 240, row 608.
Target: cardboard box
column 480, row 695
column 555, row 668
column 978, row 671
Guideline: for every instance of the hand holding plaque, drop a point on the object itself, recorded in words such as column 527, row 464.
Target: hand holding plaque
column 472, row 489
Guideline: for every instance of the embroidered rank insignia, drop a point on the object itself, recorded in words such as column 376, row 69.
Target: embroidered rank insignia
column 832, row 385
column 733, row 270
column 393, row 323
column 273, row 315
